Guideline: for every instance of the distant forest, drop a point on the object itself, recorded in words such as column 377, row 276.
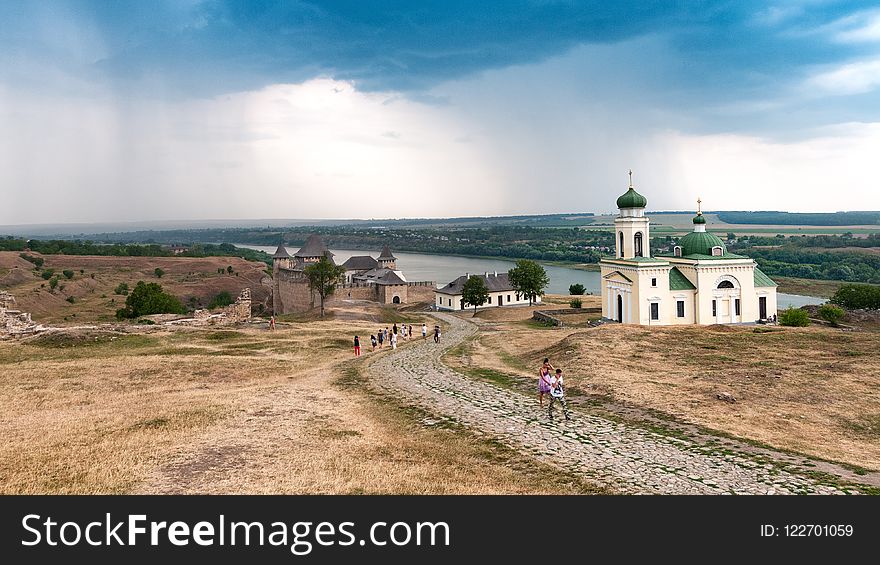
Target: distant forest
column 794, row 256
column 803, row 219
column 78, row 247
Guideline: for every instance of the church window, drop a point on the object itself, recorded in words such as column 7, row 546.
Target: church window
column 725, row 284
column 655, row 311
column 714, row 308
column 637, row 240
column 621, row 244
column 653, row 282
column 736, row 306
column 508, row 298
column 717, row 251
column 679, row 305
column 677, row 251
column 490, row 300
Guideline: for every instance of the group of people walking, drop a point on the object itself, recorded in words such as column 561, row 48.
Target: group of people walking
column 550, row 378
column 392, row 334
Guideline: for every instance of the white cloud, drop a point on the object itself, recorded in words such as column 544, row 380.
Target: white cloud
column 857, row 28
column 851, row 78
column 831, row 171
column 317, row 149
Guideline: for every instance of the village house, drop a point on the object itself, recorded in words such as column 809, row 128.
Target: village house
column 700, row 282
column 501, row 293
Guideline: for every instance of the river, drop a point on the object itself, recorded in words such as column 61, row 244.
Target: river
column 444, row 268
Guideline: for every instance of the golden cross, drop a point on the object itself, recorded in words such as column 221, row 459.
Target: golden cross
column 699, row 208
column 630, row 178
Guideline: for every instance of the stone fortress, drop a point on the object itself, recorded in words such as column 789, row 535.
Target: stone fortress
column 375, row 280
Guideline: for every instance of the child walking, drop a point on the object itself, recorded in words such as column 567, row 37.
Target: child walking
column 357, row 346
column 557, row 394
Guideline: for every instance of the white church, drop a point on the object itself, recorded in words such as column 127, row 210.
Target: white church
column 700, row 283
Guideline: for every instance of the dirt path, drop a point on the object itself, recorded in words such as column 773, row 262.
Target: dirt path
column 624, row 457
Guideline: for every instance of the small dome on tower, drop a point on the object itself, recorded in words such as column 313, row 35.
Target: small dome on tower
column 631, row 198
column 699, row 219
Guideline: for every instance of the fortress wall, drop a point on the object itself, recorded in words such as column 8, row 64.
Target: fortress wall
column 421, row 292
column 291, row 294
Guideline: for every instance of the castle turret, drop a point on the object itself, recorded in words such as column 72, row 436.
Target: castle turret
column 631, row 225
column 281, row 259
column 387, row 260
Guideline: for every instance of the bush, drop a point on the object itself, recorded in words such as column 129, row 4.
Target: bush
column 794, row 317
column 575, row 302
column 37, row 261
column 576, row 289
column 67, row 273
column 70, row 299
column 855, row 296
column 158, row 272
column 82, row 272
column 122, row 289
column 47, row 273
column 53, row 282
column 221, row 300
column 149, row 298
column 229, row 269
column 831, row 313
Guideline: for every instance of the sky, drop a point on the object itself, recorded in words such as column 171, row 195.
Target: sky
column 190, row 109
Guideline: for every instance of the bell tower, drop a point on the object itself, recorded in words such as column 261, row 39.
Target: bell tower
column 631, row 235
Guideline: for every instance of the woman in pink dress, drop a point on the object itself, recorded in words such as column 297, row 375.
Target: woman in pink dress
column 544, row 376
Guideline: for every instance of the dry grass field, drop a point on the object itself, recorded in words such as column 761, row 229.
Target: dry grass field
column 810, row 390
column 240, row 410
column 95, row 278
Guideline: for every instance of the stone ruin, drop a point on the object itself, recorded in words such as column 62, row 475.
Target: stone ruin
column 239, row 311
column 14, row 322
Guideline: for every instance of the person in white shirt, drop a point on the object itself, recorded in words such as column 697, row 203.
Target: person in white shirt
column 557, row 394
column 424, row 331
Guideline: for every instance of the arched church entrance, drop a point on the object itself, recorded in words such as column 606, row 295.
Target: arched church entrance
column 395, row 300
column 726, row 300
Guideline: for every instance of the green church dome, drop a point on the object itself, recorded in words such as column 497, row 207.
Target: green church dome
column 699, row 219
column 632, row 199
column 700, row 243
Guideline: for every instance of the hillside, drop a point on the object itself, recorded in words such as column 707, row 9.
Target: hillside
column 195, row 281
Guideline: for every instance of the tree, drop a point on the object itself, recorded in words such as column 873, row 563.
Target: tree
column 53, row 282
column 220, row 300
column 474, row 292
column 576, row 289
column 857, row 296
column 149, row 298
column 158, row 272
column 831, row 314
column 121, row 288
column 575, row 303
column 794, row 317
column 67, row 273
column 528, row 278
column 229, row 269
column 323, row 278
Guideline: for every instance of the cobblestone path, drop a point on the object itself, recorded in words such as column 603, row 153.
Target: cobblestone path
column 624, row 457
